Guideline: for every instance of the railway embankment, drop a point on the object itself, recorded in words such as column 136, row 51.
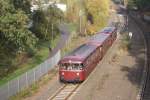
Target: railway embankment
column 144, row 93
column 118, row 75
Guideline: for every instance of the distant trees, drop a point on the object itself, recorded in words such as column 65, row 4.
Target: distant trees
column 91, row 14
column 131, row 4
column 97, row 14
column 141, row 4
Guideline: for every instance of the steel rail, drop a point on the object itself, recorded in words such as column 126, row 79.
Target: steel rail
column 145, row 84
column 65, row 92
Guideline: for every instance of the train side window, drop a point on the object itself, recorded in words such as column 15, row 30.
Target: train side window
column 80, row 66
column 63, row 66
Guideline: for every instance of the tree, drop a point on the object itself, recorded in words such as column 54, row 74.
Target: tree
column 45, row 22
column 15, row 36
column 22, row 4
column 97, row 14
column 131, row 4
column 143, row 3
column 13, row 28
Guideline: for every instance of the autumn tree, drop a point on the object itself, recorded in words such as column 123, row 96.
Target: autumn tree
column 97, row 14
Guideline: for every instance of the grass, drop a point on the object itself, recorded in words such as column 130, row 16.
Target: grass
column 38, row 58
column 125, row 42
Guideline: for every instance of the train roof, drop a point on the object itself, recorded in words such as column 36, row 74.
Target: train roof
column 79, row 54
column 108, row 30
column 98, row 39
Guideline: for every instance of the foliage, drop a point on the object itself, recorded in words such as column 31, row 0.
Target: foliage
column 125, row 42
column 15, row 38
column 131, row 4
column 14, row 32
column 89, row 15
column 73, row 11
column 141, row 4
column 97, row 13
column 13, row 28
column 45, row 22
column 22, row 4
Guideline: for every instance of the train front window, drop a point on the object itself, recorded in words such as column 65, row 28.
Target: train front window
column 68, row 66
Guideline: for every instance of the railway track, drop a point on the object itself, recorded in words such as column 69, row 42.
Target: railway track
column 65, row 92
column 145, row 91
column 145, row 95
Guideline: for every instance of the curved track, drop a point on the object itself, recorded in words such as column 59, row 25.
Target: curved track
column 145, row 95
column 65, row 92
column 145, row 91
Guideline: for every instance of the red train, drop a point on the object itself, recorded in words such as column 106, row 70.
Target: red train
column 76, row 66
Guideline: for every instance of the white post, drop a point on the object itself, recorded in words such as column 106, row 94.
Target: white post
column 130, row 35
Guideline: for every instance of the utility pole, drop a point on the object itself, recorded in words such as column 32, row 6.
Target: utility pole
column 80, row 21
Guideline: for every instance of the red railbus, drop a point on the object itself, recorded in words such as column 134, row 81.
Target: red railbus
column 112, row 31
column 76, row 66
column 103, row 41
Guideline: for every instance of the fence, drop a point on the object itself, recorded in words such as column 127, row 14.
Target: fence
column 28, row 78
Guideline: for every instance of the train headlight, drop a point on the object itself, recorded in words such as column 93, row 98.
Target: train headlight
column 77, row 74
column 62, row 73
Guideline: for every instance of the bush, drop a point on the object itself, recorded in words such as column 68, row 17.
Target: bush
column 126, row 43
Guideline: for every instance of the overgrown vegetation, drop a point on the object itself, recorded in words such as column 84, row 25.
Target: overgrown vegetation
column 90, row 15
column 21, row 45
column 45, row 23
column 125, row 42
column 140, row 4
column 29, row 63
column 97, row 14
